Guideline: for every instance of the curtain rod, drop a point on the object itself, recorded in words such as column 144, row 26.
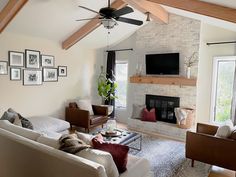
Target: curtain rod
column 118, row 50
column 225, row 42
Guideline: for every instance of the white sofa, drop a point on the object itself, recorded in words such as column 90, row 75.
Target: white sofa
column 22, row 156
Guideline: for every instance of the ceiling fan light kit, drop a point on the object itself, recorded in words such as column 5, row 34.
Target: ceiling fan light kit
column 109, row 16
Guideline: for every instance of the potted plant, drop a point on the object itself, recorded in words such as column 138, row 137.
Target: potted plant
column 106, row 87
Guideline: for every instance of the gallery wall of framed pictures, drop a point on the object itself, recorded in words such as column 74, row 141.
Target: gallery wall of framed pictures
column 32, row 67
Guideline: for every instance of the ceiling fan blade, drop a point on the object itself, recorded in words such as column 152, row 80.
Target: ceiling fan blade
column 91, row 10
column 123, row 11
column 129, row 20
column 87, row 19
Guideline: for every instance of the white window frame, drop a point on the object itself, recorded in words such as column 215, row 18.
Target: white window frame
column 214, row 83
column 124, row 62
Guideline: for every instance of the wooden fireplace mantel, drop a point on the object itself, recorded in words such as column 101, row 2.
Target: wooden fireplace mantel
column 165, row 80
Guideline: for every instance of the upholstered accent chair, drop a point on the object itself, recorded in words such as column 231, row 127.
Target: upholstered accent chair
column 82, row 118
column 204, row 146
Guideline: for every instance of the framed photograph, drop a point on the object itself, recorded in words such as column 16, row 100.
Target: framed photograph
column 50, row 75
column 32, row 77
column 62, row 71
column 16, row 59
column 32, row 58
column 15, row 74
column 47, row 61
column 3, row 68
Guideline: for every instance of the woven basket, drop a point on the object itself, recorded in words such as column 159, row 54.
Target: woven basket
column 188, row 122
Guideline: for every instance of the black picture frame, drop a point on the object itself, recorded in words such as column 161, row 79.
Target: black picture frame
column 32, row 77
column 32, row 59
column 16, row 59
column 3, row 68
column 50, row 75
column 62, row 71
column 15, row 74
column 47, row 61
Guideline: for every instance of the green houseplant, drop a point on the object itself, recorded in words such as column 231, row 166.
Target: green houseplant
column 106, row 87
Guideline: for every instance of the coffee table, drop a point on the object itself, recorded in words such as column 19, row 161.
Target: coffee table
column 125, row 138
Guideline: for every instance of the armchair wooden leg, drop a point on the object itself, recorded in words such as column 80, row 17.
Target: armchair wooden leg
column 192, row 163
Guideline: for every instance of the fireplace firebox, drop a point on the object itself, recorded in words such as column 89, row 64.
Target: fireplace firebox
column 164, row 106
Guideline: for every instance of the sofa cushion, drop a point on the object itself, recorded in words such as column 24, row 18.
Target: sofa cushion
column 85, row 105
column 17, row 121
column 94, row 119
column 52, row 142
column 101, row 157
column 49, row 124
column 137, row 111
column 27, row 133
column 87, row 138
column 149, row 115
column 118, row 152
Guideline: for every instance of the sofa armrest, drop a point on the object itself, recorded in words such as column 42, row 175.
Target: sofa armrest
column 212, row 150
column 100, row 110
column 206, row 129
column 77, row 116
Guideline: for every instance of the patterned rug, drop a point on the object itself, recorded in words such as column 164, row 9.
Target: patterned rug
column 167, row 158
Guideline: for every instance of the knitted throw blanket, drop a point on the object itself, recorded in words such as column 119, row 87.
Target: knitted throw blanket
column 72, row 144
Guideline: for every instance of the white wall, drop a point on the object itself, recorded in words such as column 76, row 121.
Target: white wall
column 210, row 33
column 51, row 97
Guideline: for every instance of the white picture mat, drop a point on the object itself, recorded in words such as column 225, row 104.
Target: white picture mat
column 3, row 67
column 47, row 60
column 32, row 77
column 32, row 59
column 16, row 59
column 50, row 74
column 15, row 74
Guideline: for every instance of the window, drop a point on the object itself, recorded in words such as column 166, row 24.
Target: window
column 121, row 79
column 223, row 79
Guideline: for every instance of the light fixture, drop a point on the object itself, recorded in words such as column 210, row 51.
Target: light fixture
column 148, row 16
column 108, row 23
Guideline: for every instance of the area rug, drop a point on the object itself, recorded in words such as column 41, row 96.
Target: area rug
column 167, row 158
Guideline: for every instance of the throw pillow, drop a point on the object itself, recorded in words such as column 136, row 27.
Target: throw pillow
column 149, row 115
column 8, row 116
column 118, row 152
column 85, row 105
column 224, row 131
column 17, row 121
column 101, row 157
column 25, row 122
column 233, row 135
column 137, row 111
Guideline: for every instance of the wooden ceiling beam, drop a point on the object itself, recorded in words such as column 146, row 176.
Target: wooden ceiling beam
column 9, row 12
column 156, row 11
column 202, row 8
column 88, row 27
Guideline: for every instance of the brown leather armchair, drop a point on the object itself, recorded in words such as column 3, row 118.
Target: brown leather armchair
column 82, row 118
column 205, row 147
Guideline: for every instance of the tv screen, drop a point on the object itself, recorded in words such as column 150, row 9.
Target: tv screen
column 162, row 64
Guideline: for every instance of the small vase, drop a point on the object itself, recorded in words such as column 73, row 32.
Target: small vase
column 188, row 72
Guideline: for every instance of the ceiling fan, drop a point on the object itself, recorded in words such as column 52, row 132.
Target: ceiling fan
column 109, row 16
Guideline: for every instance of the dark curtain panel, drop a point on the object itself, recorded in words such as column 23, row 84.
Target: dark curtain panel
column 111, row 66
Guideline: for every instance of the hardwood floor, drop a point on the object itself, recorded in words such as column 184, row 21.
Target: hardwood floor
column 216, row 171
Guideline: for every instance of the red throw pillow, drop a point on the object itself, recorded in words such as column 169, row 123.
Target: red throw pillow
column 119, row 153
column 149, row 115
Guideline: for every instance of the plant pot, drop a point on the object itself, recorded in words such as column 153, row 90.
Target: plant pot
column 188, row 72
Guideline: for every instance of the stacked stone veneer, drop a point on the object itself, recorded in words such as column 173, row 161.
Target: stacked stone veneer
column 180, row 35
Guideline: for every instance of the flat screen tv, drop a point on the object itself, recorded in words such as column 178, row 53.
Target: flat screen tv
column 162, row 64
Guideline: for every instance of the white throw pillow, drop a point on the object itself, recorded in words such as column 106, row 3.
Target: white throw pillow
column 223, row 131
column 137, row 111
column 87, row 138
column 27, row 133
column 52, row 142
column 85, row 105
column 101, row 157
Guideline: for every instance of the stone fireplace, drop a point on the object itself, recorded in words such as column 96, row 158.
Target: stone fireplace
column 164, row 106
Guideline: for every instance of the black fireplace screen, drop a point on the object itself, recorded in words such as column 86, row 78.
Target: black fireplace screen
column 164, row 107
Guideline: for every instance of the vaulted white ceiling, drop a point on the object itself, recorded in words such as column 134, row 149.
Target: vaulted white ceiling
column 56, row 20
